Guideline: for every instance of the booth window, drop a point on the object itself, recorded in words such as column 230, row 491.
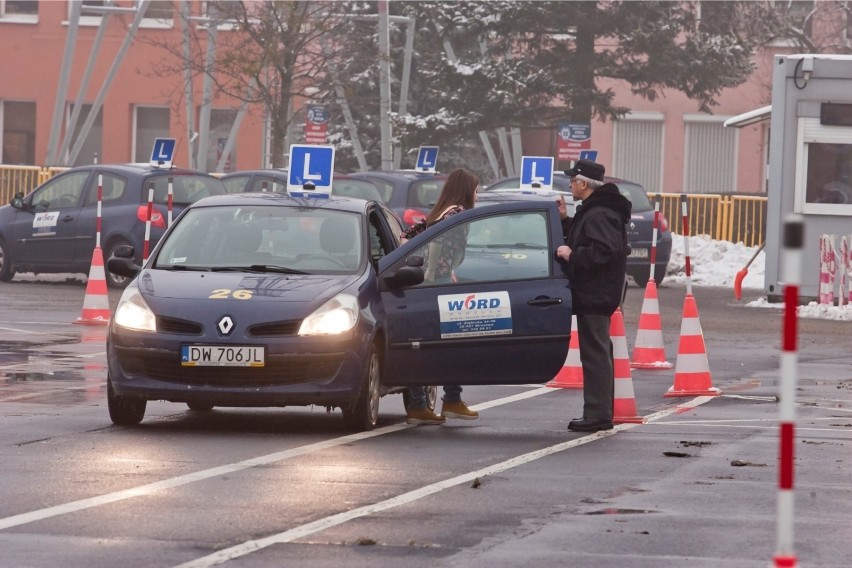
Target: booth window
column 824, row 169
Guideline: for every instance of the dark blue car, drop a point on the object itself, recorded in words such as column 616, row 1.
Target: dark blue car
column 263, row 299
column 53, row 228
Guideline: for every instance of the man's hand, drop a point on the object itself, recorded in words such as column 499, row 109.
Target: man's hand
column 563, row 252
column 563, row 209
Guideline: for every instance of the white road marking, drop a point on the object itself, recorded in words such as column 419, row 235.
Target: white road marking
column 142, row 490
column 250, row 546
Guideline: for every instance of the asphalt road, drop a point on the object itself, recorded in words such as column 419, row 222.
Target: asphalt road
column 695, row 485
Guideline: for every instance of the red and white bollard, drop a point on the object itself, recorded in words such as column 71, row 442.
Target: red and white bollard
column 793, row 235
column 827, row 269
column 147, row 244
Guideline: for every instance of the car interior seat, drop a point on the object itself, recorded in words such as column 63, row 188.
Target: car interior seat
column 242, row 245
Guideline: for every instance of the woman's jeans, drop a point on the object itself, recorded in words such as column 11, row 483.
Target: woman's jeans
column 417, row 396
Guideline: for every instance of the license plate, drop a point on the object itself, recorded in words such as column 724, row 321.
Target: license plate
column 639, row 253
column 221, row 356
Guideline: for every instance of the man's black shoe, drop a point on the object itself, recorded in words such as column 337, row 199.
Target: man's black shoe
column 587, row 425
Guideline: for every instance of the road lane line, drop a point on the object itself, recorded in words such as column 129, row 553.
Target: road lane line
column 142, row 490
column 319, row 525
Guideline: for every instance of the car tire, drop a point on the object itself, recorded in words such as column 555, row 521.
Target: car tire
column 7, row 270
column 641, row 277
column 114, row 280
column 199, row 407
column 362, row 414
column 124, row 411
column 431, row 398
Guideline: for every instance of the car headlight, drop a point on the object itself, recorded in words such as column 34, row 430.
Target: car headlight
column 337, row 315
column 133, row 313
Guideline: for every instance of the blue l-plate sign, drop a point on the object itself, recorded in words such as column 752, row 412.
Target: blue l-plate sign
column 536, row 171
column 311, row 170
column 427, row 159
column 163, row 152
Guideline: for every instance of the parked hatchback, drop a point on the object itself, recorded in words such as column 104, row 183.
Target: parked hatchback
column 275, row 180
column 639, row 231
column 409, row 193
column 53, row 228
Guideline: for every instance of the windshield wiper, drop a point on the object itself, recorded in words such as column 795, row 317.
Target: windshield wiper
column 258, row 268
column 181, row 267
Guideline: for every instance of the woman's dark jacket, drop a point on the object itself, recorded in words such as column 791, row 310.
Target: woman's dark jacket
column 598, row 240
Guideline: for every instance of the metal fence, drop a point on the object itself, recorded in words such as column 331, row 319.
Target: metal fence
column 735, row 218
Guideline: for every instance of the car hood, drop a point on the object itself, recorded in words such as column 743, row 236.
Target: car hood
column 307, row 289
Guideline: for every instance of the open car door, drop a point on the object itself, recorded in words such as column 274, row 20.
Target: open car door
column 503, row 316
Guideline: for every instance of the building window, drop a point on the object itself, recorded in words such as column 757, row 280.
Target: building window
column 710, row 155
column 17, row 133
column 149, row 123
column 638, row 149
column 221, row 121
column 91, row 150
column 19, row 11
column 823, row 169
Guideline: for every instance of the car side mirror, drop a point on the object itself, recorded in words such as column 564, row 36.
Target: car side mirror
column 409, row 275
column 122, row 262
column 18, row 201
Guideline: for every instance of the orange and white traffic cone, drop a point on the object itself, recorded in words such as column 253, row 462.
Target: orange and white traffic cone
column 648, row 351
column 624, row 401
column 571, row 374
column 692, row 371
column 96, row 302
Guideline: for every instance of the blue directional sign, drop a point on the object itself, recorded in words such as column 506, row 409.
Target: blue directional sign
column 163, row 152
column 311, row 170
column 589, row 155
column 427, row 159
column 537, row 171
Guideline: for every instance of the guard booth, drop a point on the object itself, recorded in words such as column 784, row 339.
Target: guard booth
column 810, row 160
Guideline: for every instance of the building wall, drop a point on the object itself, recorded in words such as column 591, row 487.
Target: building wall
column 31, row 67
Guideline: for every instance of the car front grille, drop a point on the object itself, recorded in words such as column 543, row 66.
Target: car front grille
column 178, row 326
column 274, row 329
column 279, row 369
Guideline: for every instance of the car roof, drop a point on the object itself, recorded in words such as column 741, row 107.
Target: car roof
column 137, row 168
column 335, row 202
column 504, row 195
column 410, row 175
column 270, row 171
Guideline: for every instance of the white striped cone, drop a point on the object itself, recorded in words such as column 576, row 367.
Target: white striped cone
column 648, row 351
column 624, row 401
column 692, row 370
column 96, row 302
column 571, row 374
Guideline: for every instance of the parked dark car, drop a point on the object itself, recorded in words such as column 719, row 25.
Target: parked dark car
column 53, row 228
column 639, row 231
column 275, row 180
column 409, row 193
column 270, row 300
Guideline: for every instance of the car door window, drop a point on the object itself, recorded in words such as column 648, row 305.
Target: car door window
column 62, row 191
column 236, row 184
column 113, row 189
column 497, row 248
column 425, row 194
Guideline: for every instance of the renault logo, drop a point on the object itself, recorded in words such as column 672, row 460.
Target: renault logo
column 225, row 325
column 632, row 226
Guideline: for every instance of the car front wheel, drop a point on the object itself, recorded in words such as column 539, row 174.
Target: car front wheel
column 363, row 412
column 7, row 271
column 124, row 411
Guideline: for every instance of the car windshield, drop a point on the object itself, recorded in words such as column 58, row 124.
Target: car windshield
column 264, row 239
column 356, row 188
column 186, row 189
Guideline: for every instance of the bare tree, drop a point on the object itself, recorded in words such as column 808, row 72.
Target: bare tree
column 266, row 52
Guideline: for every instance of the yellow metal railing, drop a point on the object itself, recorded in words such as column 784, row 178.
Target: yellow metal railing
column 734, row 218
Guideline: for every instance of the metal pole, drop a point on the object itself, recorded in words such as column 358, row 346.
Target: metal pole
column 99, row 99
column 84, row 86
column 340, row 94
column 503, row 140
column 187, row 85
column 62, row 85
column 406, row 79
column 207, row 100
column 384, row 86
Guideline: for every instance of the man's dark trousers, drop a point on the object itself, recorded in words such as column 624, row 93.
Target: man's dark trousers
column 596, row 359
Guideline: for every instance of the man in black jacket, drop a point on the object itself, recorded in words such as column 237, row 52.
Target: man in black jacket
column 596, row 251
